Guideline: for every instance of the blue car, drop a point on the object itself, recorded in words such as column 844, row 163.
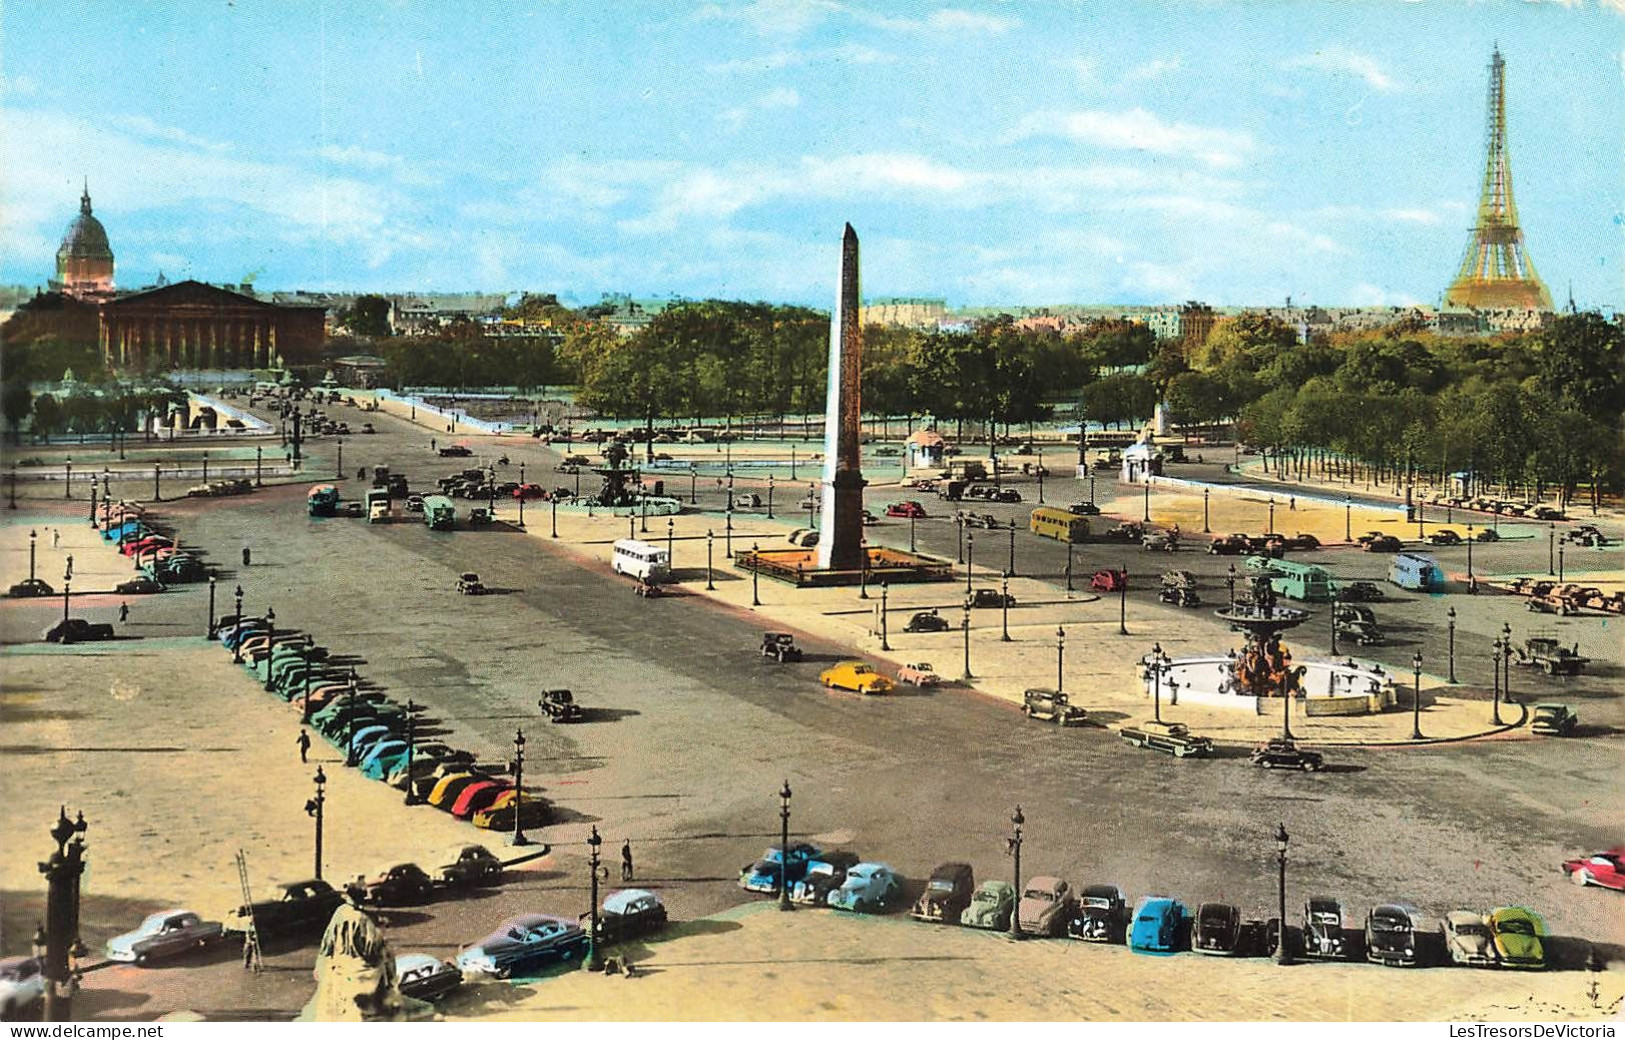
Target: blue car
column 765, row 874
column 368, row 735
column 524, row 944
column 869, row 888
column 383, row 758
column 1159, row 925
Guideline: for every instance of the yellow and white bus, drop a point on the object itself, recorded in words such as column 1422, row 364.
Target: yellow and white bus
column 1059, row 524
column 641, row 559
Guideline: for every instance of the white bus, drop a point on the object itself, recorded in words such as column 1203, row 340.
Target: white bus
column 642, row 560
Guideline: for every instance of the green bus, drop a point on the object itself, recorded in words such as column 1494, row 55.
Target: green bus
column 1300, row 581
column 1059, row 524
column 439, row 513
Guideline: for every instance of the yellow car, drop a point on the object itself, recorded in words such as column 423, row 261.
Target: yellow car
column 856, row 676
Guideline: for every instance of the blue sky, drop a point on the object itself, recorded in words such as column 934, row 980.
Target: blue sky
column 989, row 153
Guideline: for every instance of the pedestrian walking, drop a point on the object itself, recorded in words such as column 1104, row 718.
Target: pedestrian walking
column 123, row 613
column 68, row 575
column 626, row 861
column 361, row 473
column 304, row 746
column 56, row 537
column 248, row 950
column 1292, row 503
column 246, row 556
column 432, row 445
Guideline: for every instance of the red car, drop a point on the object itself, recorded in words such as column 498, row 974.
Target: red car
column 1604, row 869
column 1109, row 580
column 906, row 509
column 530, row 491
column 477, row 796
column 150, row 542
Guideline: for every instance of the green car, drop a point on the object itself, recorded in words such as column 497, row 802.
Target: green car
column 990, row 907
column 1516, row 932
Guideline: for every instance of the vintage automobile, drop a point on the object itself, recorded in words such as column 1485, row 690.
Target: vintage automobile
column 22, row 988
column 456, row 451
column 1051, row 706
column 422, row 976
column 627, row 914
column 1178, row 597
column 1466, row 939
column 1159, row 925
column 350, row 509
column 857, row 676
column 469, row 584
column 1282, row 753
column 1553, row 720
column 765, row 874
column 450, row 787
column 1391, row 932
column 383, row 758
column 1516, row 932
column 77, row 630
column 1171, row 738
column 919, row 673
column 869, row 519
column 1586, row 534
column 977, row 520
column 1083, row 509
column 1230, row 545
column 1323, row 929
column 141, row 586
column 824, row 875
column 1444, row 536
column 1359, row 591
column 1488, row 534
column 1363, row 632
column 747, row 501
column 532, row 810
column 946, row 895
column 1302, row 541
column 1101, row 915
column 1550, row 656
column 1603, row 869
column 1130, row 531
column 1160, row 541
column 302, row 908
column 523, row 944
column 560, row 706
column 990, row 907
column 909, row 509
column 1109, row 579
column 1385, row 543
column 1182, row 580
column 167, row 933
column 30, row 588
column 397, row 884
column 989, row 598
column 1547, row 513
column 926, row 621
column 478, row 796
column 781, row 646
column 1045, row 907
column 869, row 888
column 1216, row 929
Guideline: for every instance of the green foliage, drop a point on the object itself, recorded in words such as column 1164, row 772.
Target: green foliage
column 368, row 317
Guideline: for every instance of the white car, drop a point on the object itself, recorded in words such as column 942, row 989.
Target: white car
column 22, row 985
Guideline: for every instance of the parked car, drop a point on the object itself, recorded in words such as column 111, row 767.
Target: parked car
column 523, row 944
column 1466, row 939
column 1550, row 656
column 168, row 933
column 1489, row 534
column 1386, row 543
column 628, row 914
column 1101, row 915
column 1323, row 929
column 1553, row 720
column 1282, row 753
column 919, row 674
column 1160, row 541
column 425, row 977
column 1178, row 597
column 141, row 586
column 989, row 598
column 1109, row 579
column 990, row 907
column 1547, row 513
column 1603, row 869
column 909, row 509
column 1083, row 509
column 1517, row 932
column 397, row 884
column 30, row 588
column 1051, row 706
column 1216, row 929
column 781, row 646
column 1362, row 632
column 1045, row 907
column 1302, row 540
column 1230, row 545
column 868, row 888
column 824, row 875
column 22, row 988
column 1360, row 592
column 1391, row 932
column 1444, row 536
column 302, row 908
column 857, row 676
column 1587, row 535
column 1159, row 925
column 560, row 706
column 77, row 630
column 747, row 501
column 1171, row 738
column 766, row 873
column 946, row 895
column 926, row 621
column 469, row 584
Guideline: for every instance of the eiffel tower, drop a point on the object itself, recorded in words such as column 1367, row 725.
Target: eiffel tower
column 1496, row 272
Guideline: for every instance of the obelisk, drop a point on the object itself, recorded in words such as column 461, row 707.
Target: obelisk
column 840, row 542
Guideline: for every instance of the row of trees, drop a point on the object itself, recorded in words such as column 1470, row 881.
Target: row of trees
column 112, row 408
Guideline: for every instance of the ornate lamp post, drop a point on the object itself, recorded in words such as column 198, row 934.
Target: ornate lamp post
column 1495, row 668
column 884, row 589
column 812, row 506
column 157, row 495
column 595, row 958
column 1122, row 605
column 1156, row 667
column 314, row 809
column 964, row 627
column 1147, row 517
column 67, row 575
column 1506, row 664
column 340, row 474
column 412, row 709
column 259, row 461
column 1281, row 841
column 1013, row 846
column 206, row 467
column 792, row 462
column 1551, row 544
column 33, row 536
column 1471, row 581
column 1040, row 476
column 1004, row 610
column 1231, row 581
column 349, row 730
column 911, row 547
column 57, row 942
column 710, row 546
column 519, row 789
column 67, row 481
column 728, row 530
column 970, row 558
column 107, row 497
column 755, row 575
column 555, row 505
column 1060, row 659
column 93, row 500
column 770, row 496
column 1560, row 563
column 1416, row 697
column 631, row 525
column 1091, row 489
column 1205, row 528
column 270, row 624
column 237, row 648
column 1348, row 519
column 643, row 510
column 1272, row 516
column 209, row 633
column 693, row 491
column 1010, row 571
column 1450, row 628
column 522, row 491
column 1069, row 568
column 959, row 540
column 671, row 536
column 784, row 847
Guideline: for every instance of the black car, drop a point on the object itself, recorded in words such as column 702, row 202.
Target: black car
column 425, row 977
column 825, row 873
column 1444, row 537
column 1360, row 592
column 30, row 588
column 455, row 451
column 302, row 908
column 628, row 914
column 1101, row 916
column 1084, row 509
column 560, row 706
column 77, row 630
column 1179, row 597
column 1217, row 929
column 946, row 895
column 1323, row 929
column 989, row 598
column 141, row 586
column 469, row 865
column 926, row 621
column 398, row 884
column 1384, row 543
column 1281, row 753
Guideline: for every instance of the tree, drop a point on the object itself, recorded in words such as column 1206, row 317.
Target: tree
column 1578, row 360
column 16, row 402
column 368, row 317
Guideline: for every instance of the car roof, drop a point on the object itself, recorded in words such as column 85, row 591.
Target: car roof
column 1457, row 917
column 1103, row 891
column 952, row 870
column 620, row 902
column 1045, row 881
column 412, row 961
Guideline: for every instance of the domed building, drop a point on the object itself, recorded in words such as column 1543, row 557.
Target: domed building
column 84, row 263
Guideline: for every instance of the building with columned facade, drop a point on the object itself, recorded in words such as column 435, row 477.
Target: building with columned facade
column 195, row 325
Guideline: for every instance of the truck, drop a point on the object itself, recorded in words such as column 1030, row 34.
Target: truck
column 322, row 500
column 377, row 505
column 439, row 513
column 1550, row 656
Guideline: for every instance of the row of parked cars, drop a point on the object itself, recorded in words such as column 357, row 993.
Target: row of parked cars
column 1393, row 933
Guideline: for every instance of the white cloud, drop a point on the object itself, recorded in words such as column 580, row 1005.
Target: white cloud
column 1426, row 216
column 1153, row 69
column 1367, row 295
column 142, row 126
column 1339, row 60
column 20, row 86
column 782, row 97
column 792, row 18
column 1139, row 130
